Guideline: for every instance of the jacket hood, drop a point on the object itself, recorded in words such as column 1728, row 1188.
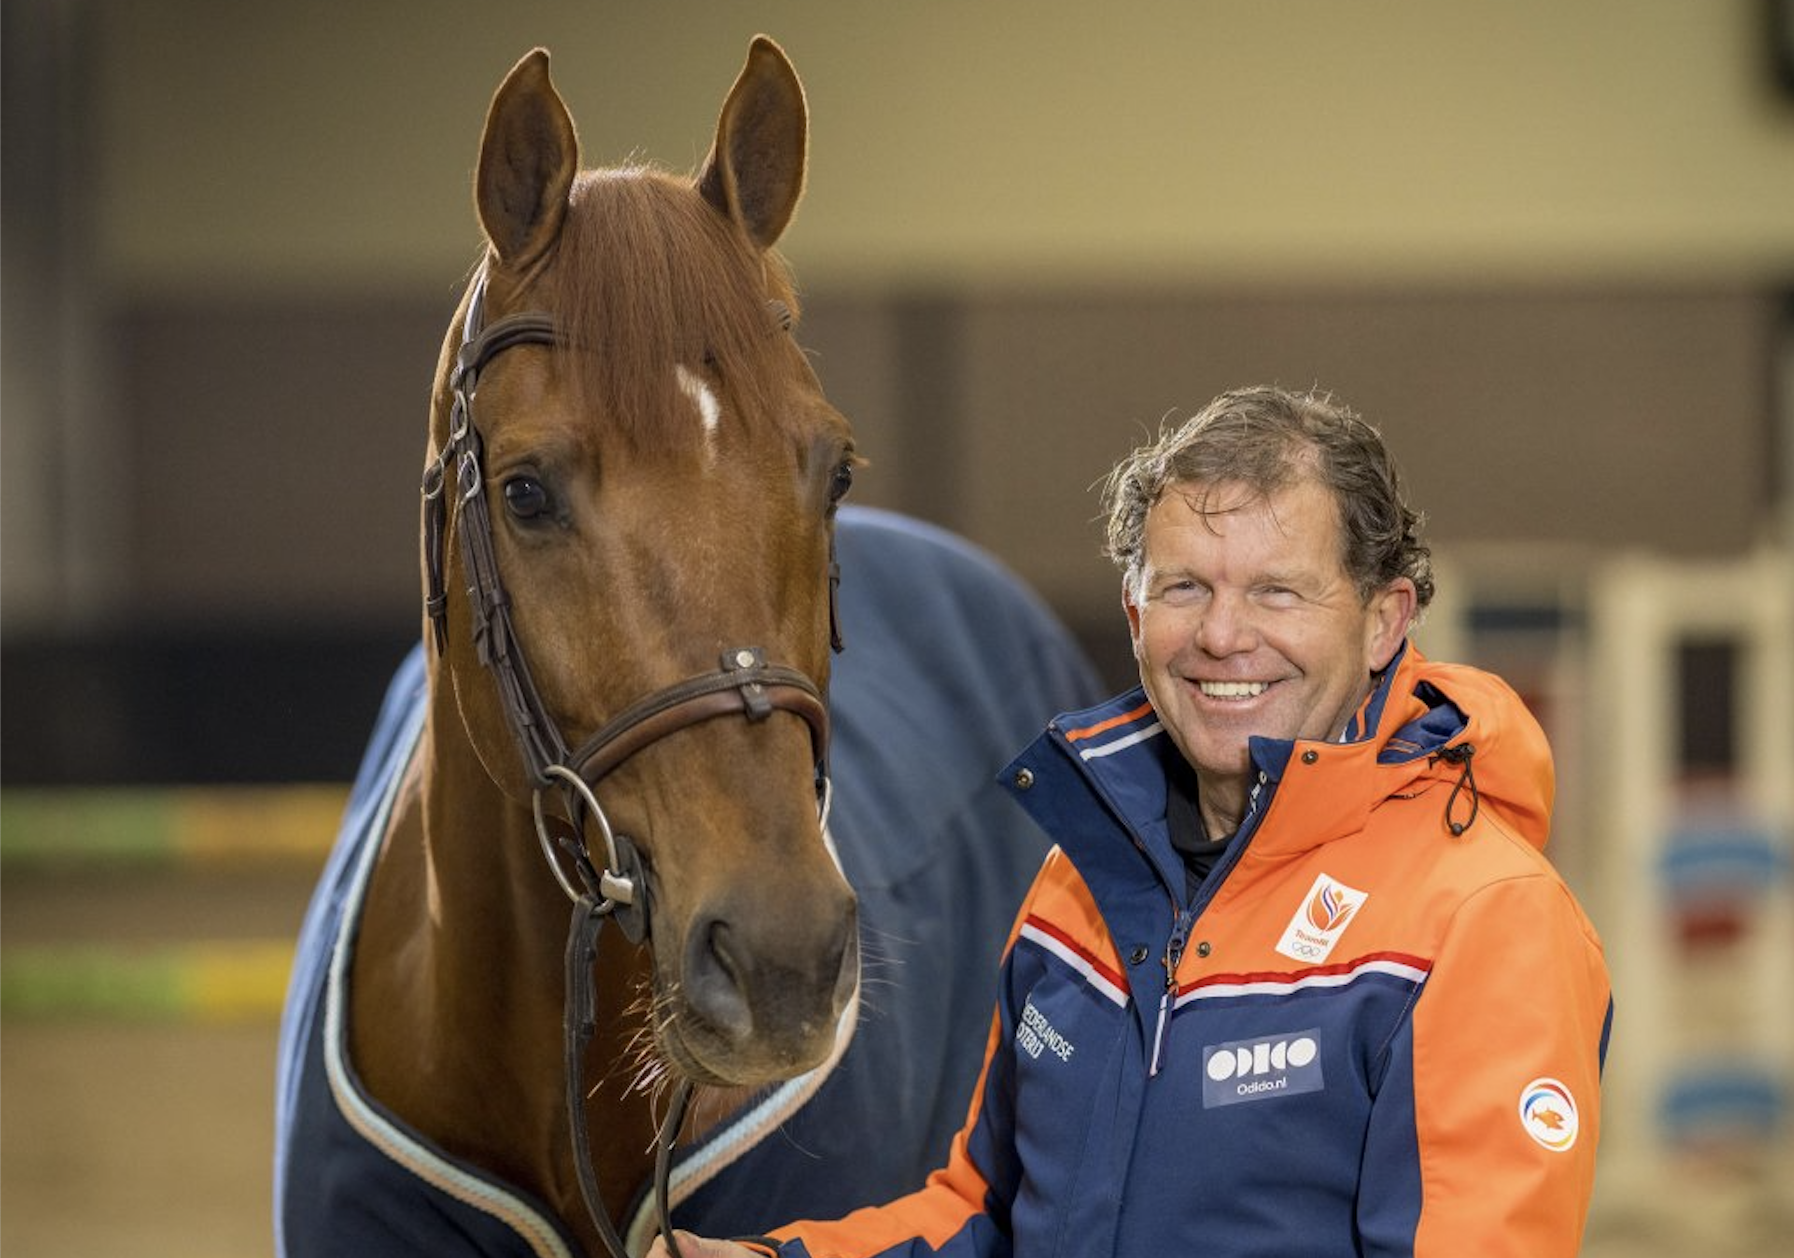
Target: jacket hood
column 1509, row 758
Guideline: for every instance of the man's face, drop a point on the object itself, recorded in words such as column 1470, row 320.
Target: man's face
column 1245, row 623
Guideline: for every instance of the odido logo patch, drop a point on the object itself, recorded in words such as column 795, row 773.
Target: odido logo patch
column 1548, row 1114
column 1253, row 1070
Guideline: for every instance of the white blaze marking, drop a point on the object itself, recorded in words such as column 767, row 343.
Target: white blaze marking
column 710, row 411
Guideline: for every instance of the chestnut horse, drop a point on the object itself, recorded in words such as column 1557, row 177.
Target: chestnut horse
column 621, row 705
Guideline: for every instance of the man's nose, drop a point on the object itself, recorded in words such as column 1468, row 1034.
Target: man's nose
column 1227, row 626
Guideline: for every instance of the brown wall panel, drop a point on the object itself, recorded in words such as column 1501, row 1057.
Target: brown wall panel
column 275, row 454
column 275, row 447
column 1608, row 419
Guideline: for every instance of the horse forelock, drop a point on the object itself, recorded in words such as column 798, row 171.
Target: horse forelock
column 647, row 278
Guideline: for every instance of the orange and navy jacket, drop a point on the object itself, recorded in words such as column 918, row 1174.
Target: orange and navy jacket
column 1377, row 1029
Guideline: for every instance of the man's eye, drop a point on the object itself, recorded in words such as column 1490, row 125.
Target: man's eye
column 526, row 498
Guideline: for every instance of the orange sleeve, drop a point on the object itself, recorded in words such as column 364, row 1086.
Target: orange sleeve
column 951, row 1206
column 1507, row 1045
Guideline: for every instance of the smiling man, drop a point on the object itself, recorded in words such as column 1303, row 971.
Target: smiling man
column 1298, row 978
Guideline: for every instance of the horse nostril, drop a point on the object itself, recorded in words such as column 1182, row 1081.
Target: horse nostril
column 715, row 980
column 723, row 955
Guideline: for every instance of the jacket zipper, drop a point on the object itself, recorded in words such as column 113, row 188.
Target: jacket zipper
column 1183, row 921
column 1174, row 951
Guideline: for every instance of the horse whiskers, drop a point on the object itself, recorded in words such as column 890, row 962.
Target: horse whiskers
column 654, row 1011
column 878, row 968
column 877, row 946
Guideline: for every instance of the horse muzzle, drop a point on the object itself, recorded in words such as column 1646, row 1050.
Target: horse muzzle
column 763, row 979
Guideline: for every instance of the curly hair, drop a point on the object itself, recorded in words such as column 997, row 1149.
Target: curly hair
column 1266, row 439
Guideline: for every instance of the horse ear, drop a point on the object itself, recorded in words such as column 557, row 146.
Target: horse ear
column 528, row 157
column 755, row 171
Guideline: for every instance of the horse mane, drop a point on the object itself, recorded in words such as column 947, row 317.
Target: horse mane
column 648, row 276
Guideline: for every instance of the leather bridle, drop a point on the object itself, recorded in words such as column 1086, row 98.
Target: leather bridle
column 743, row 684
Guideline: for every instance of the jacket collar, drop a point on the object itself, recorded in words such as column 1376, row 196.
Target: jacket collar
column 1105, row 765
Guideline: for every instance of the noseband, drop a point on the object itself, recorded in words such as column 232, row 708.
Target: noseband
column 743, row 684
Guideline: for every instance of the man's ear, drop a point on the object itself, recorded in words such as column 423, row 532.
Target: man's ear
column 1132, row 609
column 1392, row 611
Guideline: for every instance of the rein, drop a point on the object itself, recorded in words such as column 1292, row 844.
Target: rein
column 743, row 684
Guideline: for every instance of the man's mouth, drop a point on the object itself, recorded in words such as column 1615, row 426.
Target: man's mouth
column 1232, row 689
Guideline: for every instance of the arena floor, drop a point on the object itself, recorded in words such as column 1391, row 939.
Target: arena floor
column 143, row 1133
column 148, row 1141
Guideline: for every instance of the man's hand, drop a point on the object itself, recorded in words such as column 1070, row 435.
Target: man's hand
column 698, row 1247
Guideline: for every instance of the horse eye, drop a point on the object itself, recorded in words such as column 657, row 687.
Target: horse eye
column 843, row 481
column 526, row 498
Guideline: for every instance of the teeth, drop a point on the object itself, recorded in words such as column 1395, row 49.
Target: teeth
column 1233, row 689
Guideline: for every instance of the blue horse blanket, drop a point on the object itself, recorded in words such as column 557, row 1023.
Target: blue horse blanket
column 951, row 664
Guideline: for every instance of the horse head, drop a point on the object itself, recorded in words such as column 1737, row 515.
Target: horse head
column 635, row 476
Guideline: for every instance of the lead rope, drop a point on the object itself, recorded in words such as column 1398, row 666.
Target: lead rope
column 580, row 1024
column 666, row 1138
